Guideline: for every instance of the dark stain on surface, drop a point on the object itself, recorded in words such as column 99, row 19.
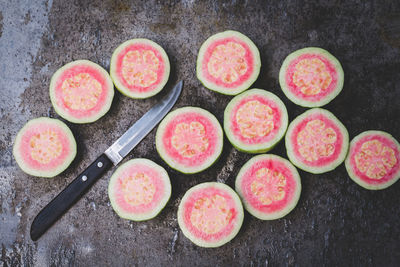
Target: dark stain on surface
column 63, row 254
column 390, row 28
column 121, row 6
column 1, row 23
column 163, row 28
column 27, row 17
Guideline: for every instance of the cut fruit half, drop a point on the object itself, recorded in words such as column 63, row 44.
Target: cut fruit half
column 44, row 147
column 139, row 68
column 228, row 63
column 269, row 186
column 255, row 121
column 311, row 77
column 81, row 91
column 373, row 161
column 316, row 141
column 210, row 214
column 139, row 189
column 189, row 139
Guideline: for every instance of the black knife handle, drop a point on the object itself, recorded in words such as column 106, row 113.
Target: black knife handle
column 69, row 196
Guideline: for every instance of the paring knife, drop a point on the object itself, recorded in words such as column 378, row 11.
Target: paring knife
column 113, row 155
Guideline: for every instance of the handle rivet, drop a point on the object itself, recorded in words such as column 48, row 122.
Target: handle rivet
column 84, row 178
column 100, row 164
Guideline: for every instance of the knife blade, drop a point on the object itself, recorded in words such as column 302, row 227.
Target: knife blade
column 112, row 156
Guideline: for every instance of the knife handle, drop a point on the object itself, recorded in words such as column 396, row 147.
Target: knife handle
column 69, row 196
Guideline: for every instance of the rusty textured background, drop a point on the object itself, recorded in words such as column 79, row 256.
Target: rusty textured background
column 335, row 222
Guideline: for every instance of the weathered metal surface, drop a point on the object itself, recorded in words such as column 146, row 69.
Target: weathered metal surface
column 335, row 223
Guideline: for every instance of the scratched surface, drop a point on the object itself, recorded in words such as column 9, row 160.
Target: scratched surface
column 336, row 222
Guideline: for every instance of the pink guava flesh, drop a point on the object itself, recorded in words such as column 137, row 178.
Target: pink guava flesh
column 31, row 139
column 275, row 120
column 71, row 73
column 311, row 79
column 247, row 59
column 159, row 70
column 221, row 208
column 210, row 133
column 375, row 154
column 260, row 192
column 337, row 144
column 146, row 192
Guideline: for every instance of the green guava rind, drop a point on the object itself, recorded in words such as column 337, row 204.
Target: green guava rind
column 143, row 216
column 354, row 176
column 105, row 108
column 306, row 103
column 44, row 173
column 256, row 213
column 175, row 165
column 246, row 84
column 313, row 169
column 256, row 148
column 114, row 76
column 239, row 219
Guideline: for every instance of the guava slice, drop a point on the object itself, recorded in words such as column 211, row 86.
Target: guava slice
column 373, row 160
column 44, row 147
column 189, row 139
column 269, row 186
column 210, row 214
column 316, row 141
column 228, row 63
column 139, row 68
column 311, row 77
column 139, row 189
column 255, row 121
column 81, row 91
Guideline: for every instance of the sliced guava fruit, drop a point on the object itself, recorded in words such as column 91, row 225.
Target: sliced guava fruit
column 139, row 189
column 210, row 214
column 255, row 121
column 228, row 63
column 373, row 160
column 189, row 139
column 81, row 91
column 316, row 141
column 44, row 147
column 139, row 68
column 269, row 186
column 311, row 77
